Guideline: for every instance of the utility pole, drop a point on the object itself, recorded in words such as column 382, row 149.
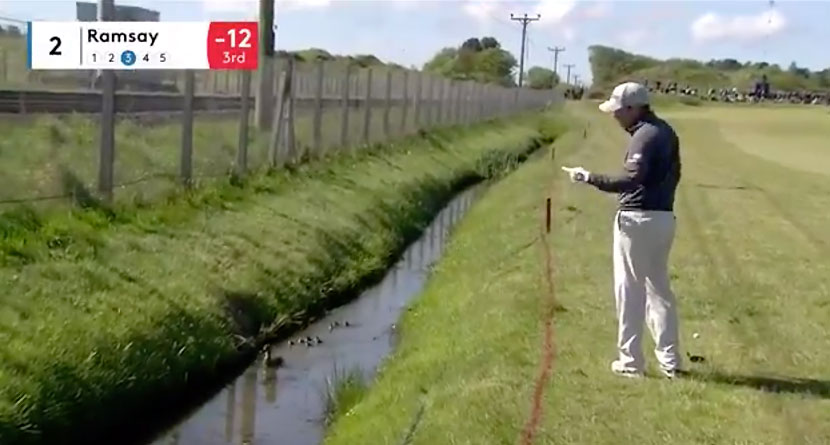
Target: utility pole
column 576, row 80
column 265, row 90
column 569, row 66
column 555, row 50
column 106, row 161
column 525, row 21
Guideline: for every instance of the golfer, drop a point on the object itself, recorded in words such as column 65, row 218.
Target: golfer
column 644, row 227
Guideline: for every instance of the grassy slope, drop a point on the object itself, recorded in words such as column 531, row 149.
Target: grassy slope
column 106, row 311
column 749, row 267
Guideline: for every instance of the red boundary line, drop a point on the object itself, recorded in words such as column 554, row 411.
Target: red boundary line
column 548, row 346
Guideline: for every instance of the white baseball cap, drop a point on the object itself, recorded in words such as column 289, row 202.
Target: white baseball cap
column 628, row 94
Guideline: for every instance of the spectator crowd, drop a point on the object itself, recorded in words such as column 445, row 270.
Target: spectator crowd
column 760, row 93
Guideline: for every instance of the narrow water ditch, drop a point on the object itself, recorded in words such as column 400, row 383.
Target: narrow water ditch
column 269, row 405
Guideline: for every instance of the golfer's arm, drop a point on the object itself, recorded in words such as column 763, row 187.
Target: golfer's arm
column 636, row 166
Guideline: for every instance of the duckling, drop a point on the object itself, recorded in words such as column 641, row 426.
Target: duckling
column 301, row 341
column 319, row 341
column 346, row 323
column 271, row 360
column 290, row 342
column 695, row 358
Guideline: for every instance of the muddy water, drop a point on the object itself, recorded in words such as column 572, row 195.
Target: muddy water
column 286, row 405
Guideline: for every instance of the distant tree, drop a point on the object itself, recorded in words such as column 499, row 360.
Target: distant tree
column 490, row 42
column 472, row 44
column 610, row 64
column 823, row 78
column 13, row 31
column 314, row 54
column 367, row 60
column 539, row 78
column 803, row 72
column 442, row 62
column 496, row 65
column 726, row 64
column 489, row 64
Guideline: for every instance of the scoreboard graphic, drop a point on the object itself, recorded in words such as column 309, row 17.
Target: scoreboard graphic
column 143, row 45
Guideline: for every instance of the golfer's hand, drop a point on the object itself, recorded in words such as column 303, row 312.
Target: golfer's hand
column 577, row 174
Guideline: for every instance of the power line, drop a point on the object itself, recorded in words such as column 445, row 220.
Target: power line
column 525, row 21
column 556, row 50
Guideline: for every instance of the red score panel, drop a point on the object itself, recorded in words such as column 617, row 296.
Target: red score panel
column 233, row 45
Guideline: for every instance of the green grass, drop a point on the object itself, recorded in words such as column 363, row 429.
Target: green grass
column 344, row 390
column 103, row 311
column 749, row 267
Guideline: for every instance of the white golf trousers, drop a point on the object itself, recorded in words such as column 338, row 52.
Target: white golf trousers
column 642, row 242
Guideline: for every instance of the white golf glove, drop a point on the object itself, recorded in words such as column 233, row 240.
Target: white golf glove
column 577, row 174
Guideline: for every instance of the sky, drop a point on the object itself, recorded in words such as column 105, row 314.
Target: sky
column 410, row 32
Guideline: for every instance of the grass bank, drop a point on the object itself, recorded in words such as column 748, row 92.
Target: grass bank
column 107, row 315
column 749, row 267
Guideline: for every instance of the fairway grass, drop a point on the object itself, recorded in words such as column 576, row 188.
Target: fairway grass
column 749, row 266
column 107, row 316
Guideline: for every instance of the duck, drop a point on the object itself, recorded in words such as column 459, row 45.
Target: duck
column 271, row 360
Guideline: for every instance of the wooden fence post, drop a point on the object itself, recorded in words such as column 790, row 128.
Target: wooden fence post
column 106, row 160
column 482, row 94
column 244, row 118
column 428, row 112
column 418, row 91
column 277, row 128
column 459, row 109
column 293, row 153
column 368, row 104
column 4, row 66
column 186, row 165
column 318, row 111
column 405, row 102
column 388, row 105
column 465, row 102
column 344, row 118
column 439, row 105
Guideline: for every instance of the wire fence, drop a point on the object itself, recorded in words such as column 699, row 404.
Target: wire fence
column 212, row 125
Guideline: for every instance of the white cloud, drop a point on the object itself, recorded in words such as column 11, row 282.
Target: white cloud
column 554, row 11
column 598, row 10
column 743, row 28
column 483, row 10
